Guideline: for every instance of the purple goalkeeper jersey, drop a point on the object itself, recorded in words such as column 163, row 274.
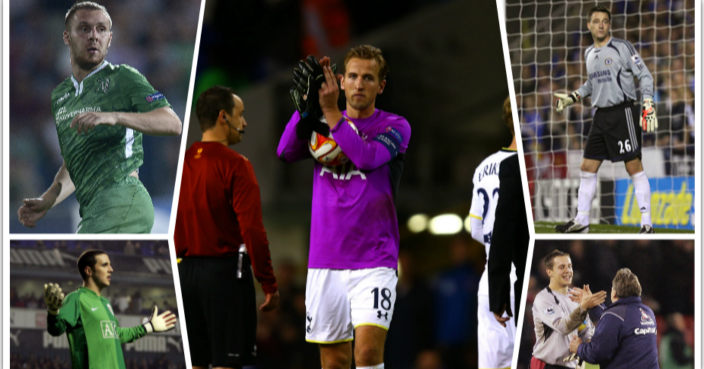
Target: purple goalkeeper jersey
column 354, row 223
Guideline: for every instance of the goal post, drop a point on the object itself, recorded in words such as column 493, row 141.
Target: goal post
column 547, row 40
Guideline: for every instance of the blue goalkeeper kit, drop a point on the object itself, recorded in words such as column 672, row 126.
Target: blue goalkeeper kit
column 625, row 337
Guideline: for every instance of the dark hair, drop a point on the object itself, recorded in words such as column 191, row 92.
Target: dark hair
column 87, row 259
column 86, row 5
column 369, row 52
column 507, row 115
column 626, row 284
column 549, row 259
column 211, row 102
column 598, row 9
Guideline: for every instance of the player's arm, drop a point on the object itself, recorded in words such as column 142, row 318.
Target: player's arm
column 291, row 148
column 604, row 343
column 545, row 308
column 62, row 313
column 631, row 58
column 34, row 209
column 475, row 214
column 158, row 122
column 246, row 202
column 156, row 323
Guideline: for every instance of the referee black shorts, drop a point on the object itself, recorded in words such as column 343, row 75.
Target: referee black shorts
column 615, row 134
column 220, row 308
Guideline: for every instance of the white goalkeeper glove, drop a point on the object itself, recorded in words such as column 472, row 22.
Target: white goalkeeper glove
column 53, row 298
column 649, row 122
column 160, row 322
column 564, row 100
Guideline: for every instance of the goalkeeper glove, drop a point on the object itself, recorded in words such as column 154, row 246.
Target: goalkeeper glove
column 306, row 126
column 161, row 322
column 53, row 298
column 307, row 80
column 649, row 123
column 564, row 100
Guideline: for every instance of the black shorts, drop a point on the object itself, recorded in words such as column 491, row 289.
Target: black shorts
column 615, row 134
column 220, row 308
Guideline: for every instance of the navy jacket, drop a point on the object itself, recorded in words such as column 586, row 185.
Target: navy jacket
column 625, row 337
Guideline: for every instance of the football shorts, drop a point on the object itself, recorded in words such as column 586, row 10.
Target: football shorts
column 125, row 207
column 615, row 134
column 338, row 301
column 495, row 342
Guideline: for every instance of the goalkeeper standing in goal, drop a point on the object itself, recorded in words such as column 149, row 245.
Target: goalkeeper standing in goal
column 101, row 112
column 354, row 237
column 94, row 334
column 612, row 67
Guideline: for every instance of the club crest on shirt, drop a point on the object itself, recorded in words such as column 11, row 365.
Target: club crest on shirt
column 645, row 318
column 608, row 61
column 102, row 85
column 550, row 310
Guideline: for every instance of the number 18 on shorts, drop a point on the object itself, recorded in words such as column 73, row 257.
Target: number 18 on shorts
column 338, row 301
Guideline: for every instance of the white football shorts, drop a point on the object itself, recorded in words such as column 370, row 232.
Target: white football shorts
column 338, row 301
column 495, row 341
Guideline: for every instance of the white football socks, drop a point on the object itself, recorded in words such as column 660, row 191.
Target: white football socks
column 642, row 189
column 587, row 190
column 379, row 366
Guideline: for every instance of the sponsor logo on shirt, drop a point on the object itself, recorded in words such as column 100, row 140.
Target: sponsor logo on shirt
column 198, row 154
column 642, row 331
column 109, row 329
column 343, row 172
column 155, row 96
column 61, row 115
column 550, row 310
column 102, row 85
column 62, row 98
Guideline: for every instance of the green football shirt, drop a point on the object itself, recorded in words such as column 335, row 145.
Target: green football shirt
column 94, row 335
column 107, row 154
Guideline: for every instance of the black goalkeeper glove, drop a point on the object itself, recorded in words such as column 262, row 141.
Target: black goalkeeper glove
column 305, row 127
column 307, row 80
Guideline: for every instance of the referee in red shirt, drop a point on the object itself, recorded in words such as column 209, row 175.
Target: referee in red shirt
column 219, row 234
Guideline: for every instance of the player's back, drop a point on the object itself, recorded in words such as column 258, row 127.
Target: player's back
column 206, row 222
column 485, row 197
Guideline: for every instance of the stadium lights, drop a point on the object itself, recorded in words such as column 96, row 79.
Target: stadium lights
column 418, row 223
column 446, row 224
column 468, row 224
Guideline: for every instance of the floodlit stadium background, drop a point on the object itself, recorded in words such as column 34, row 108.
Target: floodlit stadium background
column 156, row 37
column 547, row 40
column 665, row 270
column 447, row 77
column 142, row 278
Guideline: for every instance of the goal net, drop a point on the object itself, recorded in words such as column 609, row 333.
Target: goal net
column 547, row 40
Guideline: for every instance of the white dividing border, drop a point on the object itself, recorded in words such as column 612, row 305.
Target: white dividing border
column 501, row 10
column 5, row 260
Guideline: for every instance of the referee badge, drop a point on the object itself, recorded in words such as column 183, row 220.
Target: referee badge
column 608, row 61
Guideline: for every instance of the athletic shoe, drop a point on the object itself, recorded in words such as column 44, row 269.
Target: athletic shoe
column 572, row 227
column 646, row 229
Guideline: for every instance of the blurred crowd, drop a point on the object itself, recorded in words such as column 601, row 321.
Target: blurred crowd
column 434, row 324
column 665, row 270
column 549, row 58
column 155, row 37
column 32, row 361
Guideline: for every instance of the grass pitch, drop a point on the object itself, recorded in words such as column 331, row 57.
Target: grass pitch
column 549, row 227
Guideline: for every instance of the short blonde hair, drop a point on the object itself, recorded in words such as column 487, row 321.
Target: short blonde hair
column 368, row 52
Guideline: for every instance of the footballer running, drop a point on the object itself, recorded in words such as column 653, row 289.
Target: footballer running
column 101, row 112
column 94, row 334
column 613, row 65
column 354, row 238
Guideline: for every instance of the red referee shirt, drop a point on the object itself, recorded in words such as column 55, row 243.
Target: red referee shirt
column 220, row 208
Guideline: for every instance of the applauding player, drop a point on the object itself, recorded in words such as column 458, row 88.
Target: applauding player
column 94, row 334
column 101, row 113
column 613, row 65
column 354, row 242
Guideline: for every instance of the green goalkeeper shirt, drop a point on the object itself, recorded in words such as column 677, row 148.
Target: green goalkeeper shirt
column 94, row 335
column 106, row 154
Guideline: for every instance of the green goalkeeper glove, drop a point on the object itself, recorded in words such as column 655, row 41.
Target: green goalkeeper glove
column 161, row 322
column 649, row 123
column 53, row 298
column 564, row 100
